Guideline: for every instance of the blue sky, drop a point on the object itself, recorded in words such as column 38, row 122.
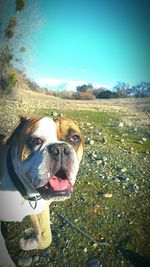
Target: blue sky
column 96, row 41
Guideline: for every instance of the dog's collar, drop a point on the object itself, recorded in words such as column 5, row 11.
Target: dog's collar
column 19, row 184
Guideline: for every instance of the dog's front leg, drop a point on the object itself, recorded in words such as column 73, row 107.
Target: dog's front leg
column 43, row 238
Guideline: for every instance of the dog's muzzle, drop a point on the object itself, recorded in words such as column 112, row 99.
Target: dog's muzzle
column 59, row 184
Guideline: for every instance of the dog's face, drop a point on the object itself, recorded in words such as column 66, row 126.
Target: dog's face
column 47, row 154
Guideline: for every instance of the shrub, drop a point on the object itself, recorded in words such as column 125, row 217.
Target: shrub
column 49, row 92
column 12, row 79
column 107, row 94
column 9, row 81
column 85, row 96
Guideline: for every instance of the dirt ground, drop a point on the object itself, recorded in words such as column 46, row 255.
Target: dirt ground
column 111, row 200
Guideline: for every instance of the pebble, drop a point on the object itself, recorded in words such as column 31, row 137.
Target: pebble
column 105, row 159
column 95, row 245
column 85, row 250
column 54, row 113
column 123, row 170
column 98, row 162
column 24, row 261
column 107, row 195
column 91, row 142
column 94, row 155
column 121, row 125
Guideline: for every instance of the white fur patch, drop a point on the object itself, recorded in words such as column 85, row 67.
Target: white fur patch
column 46, row 130
column 14, row 207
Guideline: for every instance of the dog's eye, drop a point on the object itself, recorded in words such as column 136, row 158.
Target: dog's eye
column 36, row 141
column 75, row 139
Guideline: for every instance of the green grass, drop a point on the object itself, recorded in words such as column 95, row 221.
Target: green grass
column 122, row 217
column 106, row 123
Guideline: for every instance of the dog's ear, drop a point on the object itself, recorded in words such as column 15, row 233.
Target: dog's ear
column 17, row 129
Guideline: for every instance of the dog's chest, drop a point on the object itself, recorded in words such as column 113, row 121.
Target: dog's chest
column 14, row 208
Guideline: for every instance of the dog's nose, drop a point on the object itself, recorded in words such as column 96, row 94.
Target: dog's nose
column 59, row 149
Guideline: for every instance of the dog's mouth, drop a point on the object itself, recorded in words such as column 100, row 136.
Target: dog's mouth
column 57, row 186
column 59, row 182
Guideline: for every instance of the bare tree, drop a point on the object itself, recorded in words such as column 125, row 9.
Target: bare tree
column 19, row 20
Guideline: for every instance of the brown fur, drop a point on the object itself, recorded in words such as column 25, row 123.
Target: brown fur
column 64, row 125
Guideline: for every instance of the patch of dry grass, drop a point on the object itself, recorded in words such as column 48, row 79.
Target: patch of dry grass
column 113, row 219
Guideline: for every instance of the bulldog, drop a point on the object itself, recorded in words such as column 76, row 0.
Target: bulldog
column 39, row 164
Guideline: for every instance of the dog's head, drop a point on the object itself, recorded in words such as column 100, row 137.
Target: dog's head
column 46, row 153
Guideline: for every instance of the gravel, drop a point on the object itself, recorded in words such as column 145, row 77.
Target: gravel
column 111, row 197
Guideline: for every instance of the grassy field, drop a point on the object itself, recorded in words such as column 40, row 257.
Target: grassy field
column 110, row 204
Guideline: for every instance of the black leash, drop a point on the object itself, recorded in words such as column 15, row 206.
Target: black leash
column 81, row 231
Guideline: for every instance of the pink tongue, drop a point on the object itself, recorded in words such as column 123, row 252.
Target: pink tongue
column 59, row 184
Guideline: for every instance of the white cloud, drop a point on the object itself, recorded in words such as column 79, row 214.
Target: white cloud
column 99, row 85
column 62, row 84
column 53, row 83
